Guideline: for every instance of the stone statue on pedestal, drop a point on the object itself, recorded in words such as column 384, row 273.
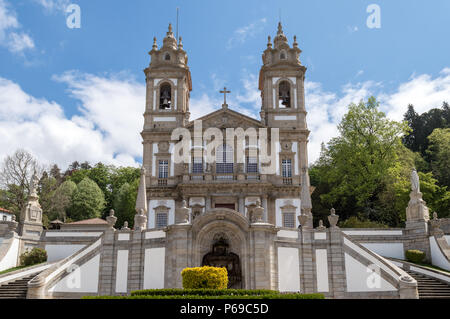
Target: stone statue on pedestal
column 417, row 209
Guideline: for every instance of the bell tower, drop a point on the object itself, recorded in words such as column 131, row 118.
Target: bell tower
column 281, row 82
column 169, row 84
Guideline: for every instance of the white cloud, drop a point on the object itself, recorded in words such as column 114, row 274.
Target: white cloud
column 107, row 129
column 19, row 42
column 325, row 109
column 241, row 34
column 52, row 6
column 10, row 36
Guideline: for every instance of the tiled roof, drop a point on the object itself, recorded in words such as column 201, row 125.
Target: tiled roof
column 92, row 221
column 5, row 211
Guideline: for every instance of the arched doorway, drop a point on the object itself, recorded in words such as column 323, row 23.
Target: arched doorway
column 220, row 237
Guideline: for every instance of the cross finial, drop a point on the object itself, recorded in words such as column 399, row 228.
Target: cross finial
column 225, row 96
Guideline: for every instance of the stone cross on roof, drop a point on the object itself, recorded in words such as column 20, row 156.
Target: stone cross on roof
column 224, row 91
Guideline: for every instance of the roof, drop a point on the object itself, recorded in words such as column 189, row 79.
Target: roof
column 56, row 221
column 4, row 210
column 221, row 112
column 92, row 221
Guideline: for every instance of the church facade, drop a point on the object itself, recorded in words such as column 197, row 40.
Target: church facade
column 234, row 178
column 224, row 190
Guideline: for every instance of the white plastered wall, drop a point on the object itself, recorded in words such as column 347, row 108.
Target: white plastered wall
column 288, row 269
column 154, row 268
column 58, row 252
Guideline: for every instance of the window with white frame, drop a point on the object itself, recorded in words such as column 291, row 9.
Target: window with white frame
column 163, row 169
column 286, row 168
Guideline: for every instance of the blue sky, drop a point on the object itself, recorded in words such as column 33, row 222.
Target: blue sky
column 78, row 94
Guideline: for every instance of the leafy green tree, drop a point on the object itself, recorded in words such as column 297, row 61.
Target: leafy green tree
column 88, row 200
column 354, row 165
column 439, row 155
column 61, row 201
column 125, row 202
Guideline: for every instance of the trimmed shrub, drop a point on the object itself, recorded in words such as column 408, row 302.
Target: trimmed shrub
column 205, row 277
column 33, row 257
column 203, row 292
column 415, row 256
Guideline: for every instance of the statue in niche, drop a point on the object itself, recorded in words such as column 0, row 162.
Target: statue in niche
column 221, row 257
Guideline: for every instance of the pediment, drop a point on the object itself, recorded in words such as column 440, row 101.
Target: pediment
column 226, row 118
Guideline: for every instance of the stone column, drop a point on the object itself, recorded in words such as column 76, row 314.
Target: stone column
column 208, row 202
column 177, row 253
column 266, row 210
column 262, row 238
column 242, row 204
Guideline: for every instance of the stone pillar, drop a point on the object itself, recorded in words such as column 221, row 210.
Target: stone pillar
column 177, row 254
column 136, row 261
column 262, row 238
column 417, row 216
column 307, row 260
column 266, row 210
column 208, row 202
column 242, row 204
column 107, row 263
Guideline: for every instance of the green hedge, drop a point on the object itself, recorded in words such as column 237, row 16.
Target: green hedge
column 202, row 292
column 205, row 277
column 267, row 296
column 415, row 256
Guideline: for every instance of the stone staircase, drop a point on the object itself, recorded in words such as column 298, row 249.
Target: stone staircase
column 16, row 289
column 430, row 288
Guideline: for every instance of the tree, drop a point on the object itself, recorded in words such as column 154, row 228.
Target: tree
column 439, row 155
column 88, row 200
column 423, row 125
column 15, row 178
column 61, row 201
column 351, row 171
column 125, row 202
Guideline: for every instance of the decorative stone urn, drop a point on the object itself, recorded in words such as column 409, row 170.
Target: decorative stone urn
column 111, row 219
column 258, row 212
column 183, row 211
column 140, row 220
column 333, row 218
column 303, row 219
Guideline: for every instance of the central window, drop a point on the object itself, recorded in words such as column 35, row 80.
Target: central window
column 252, row 164
column 224, row 159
